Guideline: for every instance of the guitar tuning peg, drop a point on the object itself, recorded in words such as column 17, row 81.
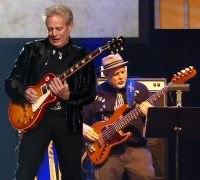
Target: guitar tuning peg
column 191, row 67
column 179, row 73
column 175, row 75
column 183, row 71
column 188, row 70
column 121, row 48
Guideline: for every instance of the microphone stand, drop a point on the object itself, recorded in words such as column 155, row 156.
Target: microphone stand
column 178, row 88
column 177, row 130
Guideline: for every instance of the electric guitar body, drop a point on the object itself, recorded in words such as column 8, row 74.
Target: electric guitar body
column 99, row 151
column 27, row 116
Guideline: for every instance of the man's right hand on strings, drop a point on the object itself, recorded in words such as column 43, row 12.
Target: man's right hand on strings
column 89, row 133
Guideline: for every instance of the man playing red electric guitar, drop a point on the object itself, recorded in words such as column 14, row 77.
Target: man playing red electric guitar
column 62, row 120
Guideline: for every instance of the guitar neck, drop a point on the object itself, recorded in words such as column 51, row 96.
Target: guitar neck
column 81, row 63
column 136, row 112
column 114, row 46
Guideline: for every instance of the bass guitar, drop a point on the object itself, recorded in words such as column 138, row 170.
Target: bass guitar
column 26, row 116
column 111, row 131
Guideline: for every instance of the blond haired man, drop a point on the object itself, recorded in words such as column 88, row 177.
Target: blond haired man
column 62, row 122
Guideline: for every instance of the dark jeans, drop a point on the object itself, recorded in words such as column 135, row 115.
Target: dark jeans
column 34, row 144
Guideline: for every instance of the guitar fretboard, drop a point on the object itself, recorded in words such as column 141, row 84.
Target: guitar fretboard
column 81, row 63
column 136, row 112
column 114, row 46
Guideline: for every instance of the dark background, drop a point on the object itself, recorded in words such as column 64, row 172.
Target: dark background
column 156, row 54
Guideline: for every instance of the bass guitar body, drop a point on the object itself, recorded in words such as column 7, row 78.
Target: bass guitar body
column 25, row 116
column 109, row 137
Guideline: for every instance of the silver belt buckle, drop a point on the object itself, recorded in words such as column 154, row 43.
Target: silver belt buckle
column 56, row 107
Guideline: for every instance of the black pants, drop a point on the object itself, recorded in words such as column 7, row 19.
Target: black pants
column 34, row 144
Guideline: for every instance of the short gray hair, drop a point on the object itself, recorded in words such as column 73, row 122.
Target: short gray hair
column 60, row 10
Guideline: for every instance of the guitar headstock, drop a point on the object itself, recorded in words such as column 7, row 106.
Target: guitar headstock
column 184, row 75
column 115, row 45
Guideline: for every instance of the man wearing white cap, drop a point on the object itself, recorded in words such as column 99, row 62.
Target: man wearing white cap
column 130, row 158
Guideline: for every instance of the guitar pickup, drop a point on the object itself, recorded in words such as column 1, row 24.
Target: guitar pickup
column 99, row 144
column 44, row 89
column 90, row 148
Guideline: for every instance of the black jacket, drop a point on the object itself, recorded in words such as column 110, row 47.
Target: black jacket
column 82, row 83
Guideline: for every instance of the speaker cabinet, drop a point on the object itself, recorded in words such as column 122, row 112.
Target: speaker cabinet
column 157, row 146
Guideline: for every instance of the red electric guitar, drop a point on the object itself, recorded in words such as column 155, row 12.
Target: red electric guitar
column 110, row 132
column 27, row 116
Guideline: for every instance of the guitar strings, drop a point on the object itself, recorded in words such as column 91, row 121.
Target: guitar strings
column 104, row 136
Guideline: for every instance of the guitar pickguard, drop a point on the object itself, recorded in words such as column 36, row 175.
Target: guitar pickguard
column 40, row 100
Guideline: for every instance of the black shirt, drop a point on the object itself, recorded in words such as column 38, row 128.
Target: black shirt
column 55, row 62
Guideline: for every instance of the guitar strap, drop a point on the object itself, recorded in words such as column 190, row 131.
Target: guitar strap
column 83, row 158
column 130, row 91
